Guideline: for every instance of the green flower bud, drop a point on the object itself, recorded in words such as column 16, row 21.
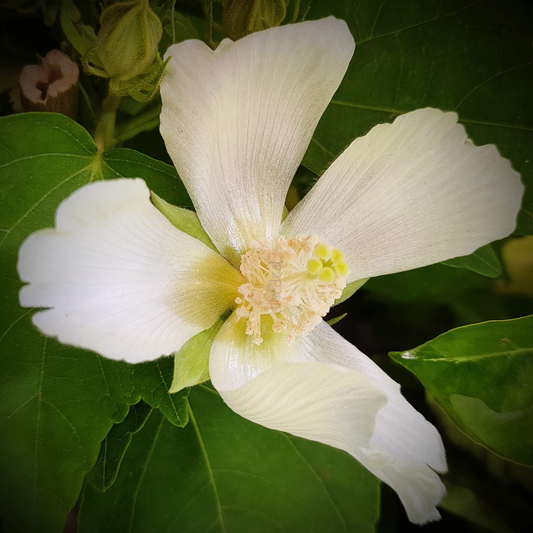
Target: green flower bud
column 272, row 13
column 128, row 39
column 242, row 17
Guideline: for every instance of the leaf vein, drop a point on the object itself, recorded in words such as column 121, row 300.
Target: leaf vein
column 434, row 19
column 321, row 481
column 48, row 193
column 192, row 418
column 143, row 472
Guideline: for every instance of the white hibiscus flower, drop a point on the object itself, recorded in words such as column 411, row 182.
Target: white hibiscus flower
column 118, row 278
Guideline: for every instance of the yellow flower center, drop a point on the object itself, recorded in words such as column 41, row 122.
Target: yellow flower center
column 293, row 281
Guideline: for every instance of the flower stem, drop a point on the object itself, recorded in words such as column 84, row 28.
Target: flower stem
column 104, row 136
column 145, row 121
column 208, row 28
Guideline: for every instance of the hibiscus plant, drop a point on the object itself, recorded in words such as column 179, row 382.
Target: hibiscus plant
column 198, row 344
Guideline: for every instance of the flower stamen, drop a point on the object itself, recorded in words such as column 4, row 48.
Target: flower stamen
column 292, row 281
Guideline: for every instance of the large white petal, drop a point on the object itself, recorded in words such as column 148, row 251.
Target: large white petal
column 317, row 401
column 405, row 448
column 280, row 387
column 119, row 279
column 323, row 388
column 237, row 121
column 409, row 194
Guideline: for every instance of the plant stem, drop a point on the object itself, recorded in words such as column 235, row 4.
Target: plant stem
column 70, row 31
column 104, row 136
column 208, row 28
column 145, row 121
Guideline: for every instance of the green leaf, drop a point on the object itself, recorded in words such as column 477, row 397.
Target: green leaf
column 114, row 446
column 152, row 383
column 464, row 502
column 223, row 473
column 431, row 283
column 482, row 376
column 57, row 403
column 473, row 57
column 176, row 28
column 483, row 261
column 161, row 178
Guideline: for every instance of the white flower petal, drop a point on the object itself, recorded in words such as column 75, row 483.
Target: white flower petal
column 323, row 388
column 316, row 401
column 410, row 194
column 279, row 387
column 401, row 434
column 119, row 279
column 237, row 121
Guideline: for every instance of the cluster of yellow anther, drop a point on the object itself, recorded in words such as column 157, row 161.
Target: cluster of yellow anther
column 326, row 264
column 291, row 284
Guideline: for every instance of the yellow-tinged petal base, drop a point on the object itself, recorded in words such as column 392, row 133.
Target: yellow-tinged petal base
column 116, row 277
column 215, row 284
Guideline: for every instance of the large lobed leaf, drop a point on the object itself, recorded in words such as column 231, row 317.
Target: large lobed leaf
column 482, row 376
column 223, row 473
column 114, row 446
column 58, row 403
